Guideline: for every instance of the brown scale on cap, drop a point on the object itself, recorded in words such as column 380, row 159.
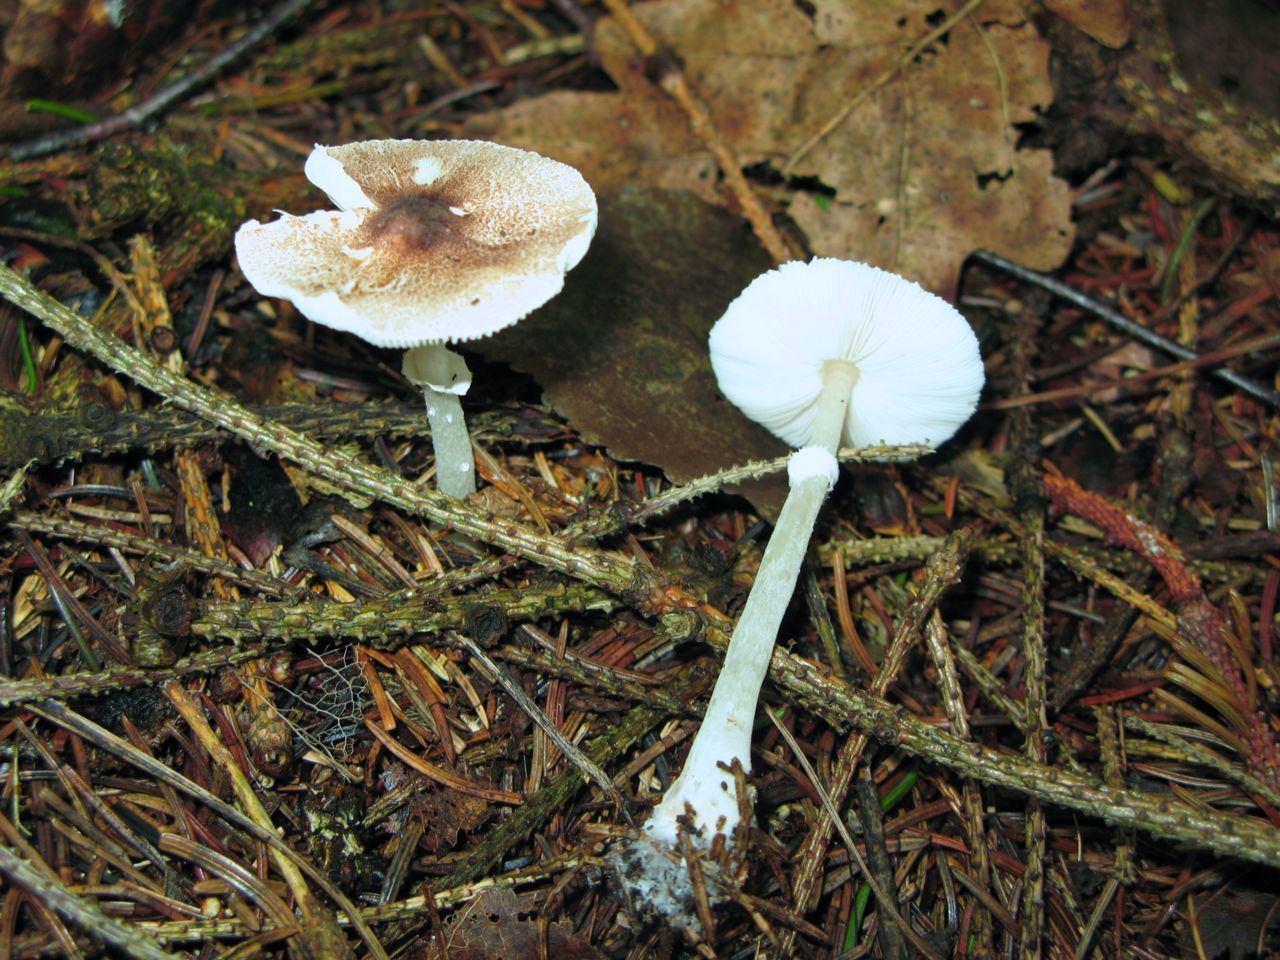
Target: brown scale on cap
column 413, row 225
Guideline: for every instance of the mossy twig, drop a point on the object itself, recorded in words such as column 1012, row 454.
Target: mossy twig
column 383, row 621
column 611, row 572
column 846, row 708
column 625, row 516
column 50, row 437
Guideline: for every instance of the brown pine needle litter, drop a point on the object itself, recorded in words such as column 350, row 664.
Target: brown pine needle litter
column 265, row 690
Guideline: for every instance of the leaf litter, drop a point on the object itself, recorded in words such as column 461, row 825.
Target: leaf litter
column 208, row 736
column 941, row 176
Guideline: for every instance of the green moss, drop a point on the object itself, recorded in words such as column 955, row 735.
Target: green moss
column 164, row 183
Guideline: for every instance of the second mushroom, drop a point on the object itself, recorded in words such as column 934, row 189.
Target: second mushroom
column 821, row 353
column 433, row 242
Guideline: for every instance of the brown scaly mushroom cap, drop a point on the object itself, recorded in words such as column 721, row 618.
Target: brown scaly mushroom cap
column 434, row 241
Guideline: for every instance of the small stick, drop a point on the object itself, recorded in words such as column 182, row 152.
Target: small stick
column 157, row 102
column 889, row 934
column 887, row 904
column 319, row 931
column 43, row 437
column 672, row 80
column 531, row 709
column 620, row 518
column 1122, row 323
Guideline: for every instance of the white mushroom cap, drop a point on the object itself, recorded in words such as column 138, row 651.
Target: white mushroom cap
column 917, row 364
column 433, row 241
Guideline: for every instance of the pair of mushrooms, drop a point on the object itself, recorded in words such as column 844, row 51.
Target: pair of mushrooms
column 439, row 241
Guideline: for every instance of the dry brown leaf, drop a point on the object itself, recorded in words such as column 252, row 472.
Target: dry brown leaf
column 446, row 814
column 1107, row 21
column 622, row 351
column 924, row 170
column 614, row 145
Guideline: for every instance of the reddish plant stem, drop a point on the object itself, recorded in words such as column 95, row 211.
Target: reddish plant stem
column 1198, row 619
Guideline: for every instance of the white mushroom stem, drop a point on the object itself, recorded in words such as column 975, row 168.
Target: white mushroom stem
column 703, row 787
column 444, row 377
column 455, row 463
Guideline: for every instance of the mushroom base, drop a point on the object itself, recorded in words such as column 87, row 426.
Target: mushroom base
column 655, row 878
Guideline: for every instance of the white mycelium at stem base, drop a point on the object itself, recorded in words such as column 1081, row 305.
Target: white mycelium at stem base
column 821, row 353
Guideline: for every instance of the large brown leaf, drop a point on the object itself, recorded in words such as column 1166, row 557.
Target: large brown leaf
column 622, row 351
column 924, row 170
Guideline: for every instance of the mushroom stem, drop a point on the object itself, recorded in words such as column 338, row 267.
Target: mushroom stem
column 455, row 463
column 726, row 727
column 443, row 377
column 839, row 377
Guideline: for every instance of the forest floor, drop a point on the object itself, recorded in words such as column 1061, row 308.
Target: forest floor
column 267, row 692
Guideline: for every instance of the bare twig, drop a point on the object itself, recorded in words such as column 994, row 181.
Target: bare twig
column 889, row 933
column 161, row 99
column 44, row 437
column 103, row 536
column 1122, row 323
column 672, row 80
